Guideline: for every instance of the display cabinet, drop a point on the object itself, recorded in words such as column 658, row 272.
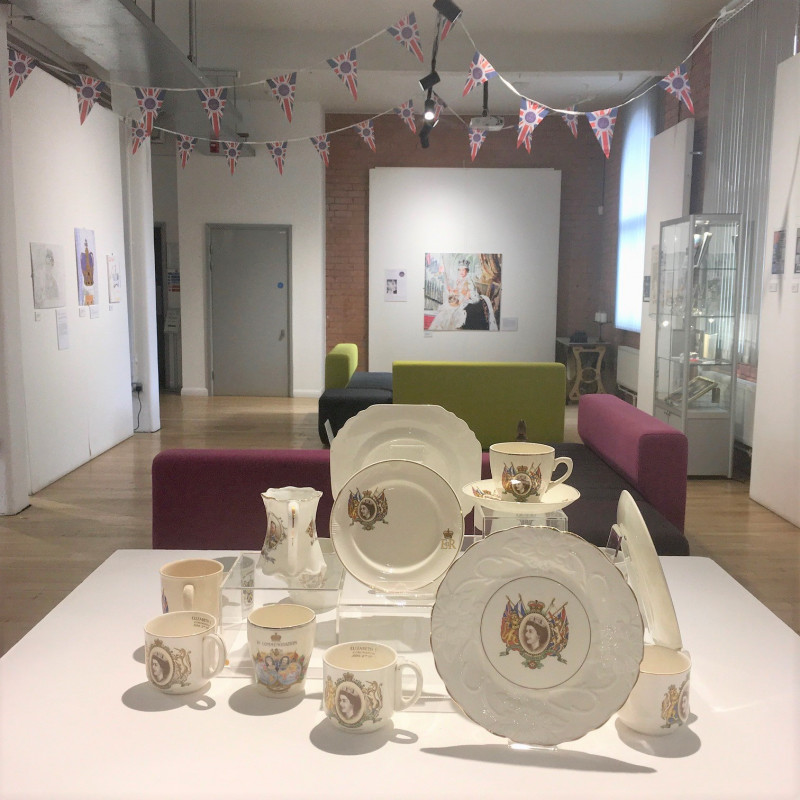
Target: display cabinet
column 696, row 335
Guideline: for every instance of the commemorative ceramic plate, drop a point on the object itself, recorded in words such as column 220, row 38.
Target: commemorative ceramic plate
column 645, row 574
column 427, row 434
column 489, row 496
column 397, row 525
column 537, row 637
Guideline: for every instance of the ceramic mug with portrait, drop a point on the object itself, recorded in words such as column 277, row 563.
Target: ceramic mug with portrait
column 182, row 652
column 281, row 639
column 363, row 685
column 523, row 471
column 192, row 584
column 659, row 701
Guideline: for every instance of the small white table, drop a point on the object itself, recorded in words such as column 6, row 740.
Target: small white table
column 78, row 718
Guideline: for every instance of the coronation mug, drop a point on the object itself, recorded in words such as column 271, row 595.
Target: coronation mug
column 523, row 471
column 182, row 652
column 363, row 685
column 192, row 584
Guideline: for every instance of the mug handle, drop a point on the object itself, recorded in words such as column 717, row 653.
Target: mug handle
column 401, row 702
column 188, row 597
column 568, row 463
column 213, row 646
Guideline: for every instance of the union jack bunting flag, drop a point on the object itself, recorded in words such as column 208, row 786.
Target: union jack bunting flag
column 150, row 101
column 214, row 103
column 367, row 132
column 446, row 26
column 186, row 145
column 283, row 91
column 480, row 70
column 19, row 67
column 406, row 32
column 530, row 115
column 602, row 123
column 406, row 113
column 572, row 121
column 278, row 152
column 323, row 145
column 89, row 90
column 346, row 67
column 476, row 139
column 138, row 135
column 232, row 150
column 677, row 83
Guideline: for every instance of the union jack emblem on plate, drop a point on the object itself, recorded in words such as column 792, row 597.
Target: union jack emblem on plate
column 366, row 131
column 278, row 152
column 346, row 67
column 186, row 145
column 138, row 135
column 677, row 83
column 476, row 139
column 19, row 67
column 602, row 123
column 368, row 508
column 530, row 115
column 406, row 32
column 89, row 90
column 535, row 632
column 572, row 121
column 480, row 70
column 406, row 113
column 214, row 103
column 322, row 144
column 150, row 101
column 232, row 150
column 282, row 89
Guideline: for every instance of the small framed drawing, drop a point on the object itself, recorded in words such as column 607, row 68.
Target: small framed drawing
column 778, row 252
column 797, row 253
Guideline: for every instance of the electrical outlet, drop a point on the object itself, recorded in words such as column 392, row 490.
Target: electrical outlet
column 136, row 386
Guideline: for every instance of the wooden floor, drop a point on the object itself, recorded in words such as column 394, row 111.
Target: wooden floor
column 74, row 524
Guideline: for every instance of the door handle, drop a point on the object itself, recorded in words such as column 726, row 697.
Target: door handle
column 282, row 336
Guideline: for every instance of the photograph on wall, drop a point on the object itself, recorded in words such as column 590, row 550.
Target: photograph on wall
column 778, row 252
column 86, row 261
column 395, row 290
column 462, row 291
column 47, row 272
column 114, row 279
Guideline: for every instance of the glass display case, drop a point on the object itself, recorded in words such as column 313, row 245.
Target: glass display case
column 696, row 335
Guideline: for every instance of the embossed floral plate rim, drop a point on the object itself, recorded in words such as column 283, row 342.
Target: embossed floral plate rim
column 604, row 677
column 553, row 499
column 396, row 575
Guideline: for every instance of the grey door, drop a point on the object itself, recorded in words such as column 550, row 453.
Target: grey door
column 249, row 268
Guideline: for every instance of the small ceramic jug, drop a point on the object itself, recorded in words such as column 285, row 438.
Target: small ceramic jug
column 291, row 548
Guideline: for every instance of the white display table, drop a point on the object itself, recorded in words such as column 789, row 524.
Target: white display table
column 78, row 718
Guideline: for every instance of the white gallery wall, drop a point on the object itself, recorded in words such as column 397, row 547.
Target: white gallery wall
column 67, row 176
column 257, row 194
column 775, row 468
column 514, row 212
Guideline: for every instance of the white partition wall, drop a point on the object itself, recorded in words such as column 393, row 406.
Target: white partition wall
column 514, row 212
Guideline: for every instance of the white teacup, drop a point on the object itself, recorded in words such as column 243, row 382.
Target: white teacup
column 363, row 685
column 523, row 471
column 659, row 701
column 281, row 640
column 182, row 652
column 192, row 584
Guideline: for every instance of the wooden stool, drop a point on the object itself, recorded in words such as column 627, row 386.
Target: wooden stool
column 588, row 369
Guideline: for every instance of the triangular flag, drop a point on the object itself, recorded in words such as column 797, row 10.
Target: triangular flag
column 406, row 32
column 367, row 132
column 530, row 115
column 476, row 139
column 278, row 152
column 406, row 113
column 677, row 83
column 214, row 103
column 89, row 90
column 346, row 67
column 19, row 67
column 186, row 145
column 446, row 26
column 323, row 146
column 283, row 88
column 232, row 150
column 150, row 101
column 480, row 70
column 439, row 105
column 139, row 135
column 572, row 121
column 602, row 123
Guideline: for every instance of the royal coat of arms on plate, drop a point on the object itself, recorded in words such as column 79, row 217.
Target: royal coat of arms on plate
column 368, row 508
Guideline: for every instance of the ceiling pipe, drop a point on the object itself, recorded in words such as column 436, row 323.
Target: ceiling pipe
column 193, row 31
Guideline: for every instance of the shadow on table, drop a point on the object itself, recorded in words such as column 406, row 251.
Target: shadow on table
column 145, row 697
column 250, row 701
column 552, row 759
column 327, row 737
column 138, row 654
column 680, row 744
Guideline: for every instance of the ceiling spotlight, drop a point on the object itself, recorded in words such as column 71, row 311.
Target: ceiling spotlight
column 430, row 108
column 429, row 81
column 448, row 9
column 423, row 134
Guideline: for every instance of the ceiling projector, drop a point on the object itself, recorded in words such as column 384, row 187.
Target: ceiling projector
column 487, row 123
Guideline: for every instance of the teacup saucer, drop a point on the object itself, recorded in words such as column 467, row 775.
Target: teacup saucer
column 488, row 495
